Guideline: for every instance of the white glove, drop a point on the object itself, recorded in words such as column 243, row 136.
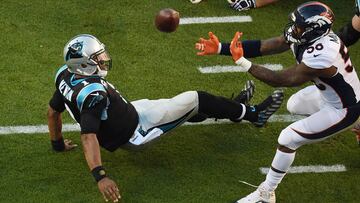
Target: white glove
column 242, row 5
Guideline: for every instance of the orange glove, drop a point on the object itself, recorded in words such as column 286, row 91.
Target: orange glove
column 237, row 52
column 208, row 46
column 236, row 49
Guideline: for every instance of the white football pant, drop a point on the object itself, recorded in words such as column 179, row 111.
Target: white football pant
column 159, row 116
column 323, row 122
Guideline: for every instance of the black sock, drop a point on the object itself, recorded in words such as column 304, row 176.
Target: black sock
column 219, row 107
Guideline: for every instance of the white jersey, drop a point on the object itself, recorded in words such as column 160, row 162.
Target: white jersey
column 341, row 90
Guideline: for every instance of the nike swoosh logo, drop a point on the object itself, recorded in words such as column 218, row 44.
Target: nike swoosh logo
column 316, row 55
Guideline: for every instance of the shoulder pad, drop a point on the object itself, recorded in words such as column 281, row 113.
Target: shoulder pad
column 86, row 91
column 62, row 69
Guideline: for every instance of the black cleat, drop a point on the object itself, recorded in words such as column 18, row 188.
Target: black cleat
column 268, row 107
column 246, row 94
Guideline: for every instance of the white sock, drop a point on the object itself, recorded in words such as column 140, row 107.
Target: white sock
column 243, row 112
column 282, row 162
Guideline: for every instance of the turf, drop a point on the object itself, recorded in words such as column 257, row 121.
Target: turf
column 192, row 163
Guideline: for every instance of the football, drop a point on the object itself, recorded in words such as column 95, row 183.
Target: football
column 167, row 20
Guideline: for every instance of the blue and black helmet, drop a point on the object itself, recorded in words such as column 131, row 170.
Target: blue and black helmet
column 308, row 23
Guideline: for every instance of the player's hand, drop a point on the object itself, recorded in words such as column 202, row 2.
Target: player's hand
column 69, row 145
column 242, row 5
column 208, row 46
column 236, row 49
column 109, row 189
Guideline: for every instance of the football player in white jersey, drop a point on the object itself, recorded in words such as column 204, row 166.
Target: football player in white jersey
column 332, row 103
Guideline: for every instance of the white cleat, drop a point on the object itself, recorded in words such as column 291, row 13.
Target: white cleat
column 260, row 195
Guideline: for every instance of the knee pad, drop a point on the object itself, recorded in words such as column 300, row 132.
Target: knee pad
column 292, row 104
column 288, row 138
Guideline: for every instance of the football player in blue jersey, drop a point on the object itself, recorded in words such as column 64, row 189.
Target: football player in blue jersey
column 332, row 103
column 108, row 120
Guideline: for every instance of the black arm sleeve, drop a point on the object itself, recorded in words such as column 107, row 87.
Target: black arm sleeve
column 57, row 102
column 90, row 116
column 251, row 48
column 348, row 34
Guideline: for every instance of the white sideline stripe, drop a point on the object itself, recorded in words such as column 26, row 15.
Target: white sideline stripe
column 31, row 129
column 225, row 19
column 227, row 69
column 311, row 169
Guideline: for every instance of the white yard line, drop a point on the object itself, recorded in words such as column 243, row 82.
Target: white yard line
column 225, row 19
column 226, row 69
column 311, row 169
column 31, row 129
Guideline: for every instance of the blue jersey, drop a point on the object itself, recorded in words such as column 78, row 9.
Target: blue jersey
column 97, row 106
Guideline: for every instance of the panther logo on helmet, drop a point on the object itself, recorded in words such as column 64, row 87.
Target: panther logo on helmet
column 75, row 51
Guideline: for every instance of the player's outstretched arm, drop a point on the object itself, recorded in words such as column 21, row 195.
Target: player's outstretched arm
column 252, row 48
column 290, row 77
column 55, row 126
column 107, row 187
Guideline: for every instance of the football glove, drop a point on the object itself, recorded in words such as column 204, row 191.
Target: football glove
column 208, row 46
column 237, row 52
column 242, row 5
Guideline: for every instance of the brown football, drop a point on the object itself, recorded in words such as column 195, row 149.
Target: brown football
column 167, row 20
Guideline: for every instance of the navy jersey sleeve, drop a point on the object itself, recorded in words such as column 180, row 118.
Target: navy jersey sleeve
column 57, row 102
column 92, row 112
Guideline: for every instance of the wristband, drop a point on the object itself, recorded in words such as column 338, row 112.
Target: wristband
column 251, row 48
column 225, row 49
column 219, row 48
column 58, row 145
column 243, row 62
column 98, row 173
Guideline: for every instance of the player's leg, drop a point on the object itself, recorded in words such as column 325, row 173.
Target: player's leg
column 243, row 97
column 160, row 116
column 224, row 108
column 306, row 101
column 317, row 127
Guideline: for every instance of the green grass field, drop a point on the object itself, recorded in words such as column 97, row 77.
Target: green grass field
column 192, row 163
